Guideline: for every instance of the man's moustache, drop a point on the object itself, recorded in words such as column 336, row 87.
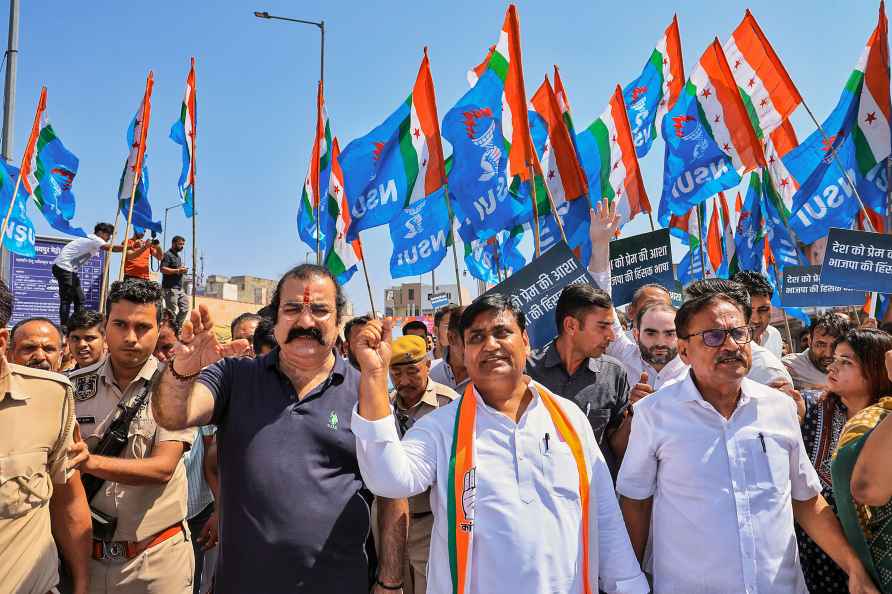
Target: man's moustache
column 296, row 333
column 45, row 365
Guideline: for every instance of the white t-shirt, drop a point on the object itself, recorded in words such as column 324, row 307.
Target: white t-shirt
column 773, row 341
column 78, row 252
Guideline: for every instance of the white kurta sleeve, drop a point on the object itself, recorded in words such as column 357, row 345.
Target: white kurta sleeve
column 390, row 467
column 618, row 569
column 638, row 473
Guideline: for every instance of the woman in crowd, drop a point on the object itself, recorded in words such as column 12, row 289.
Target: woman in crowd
column 862, row 479
column 856, row 380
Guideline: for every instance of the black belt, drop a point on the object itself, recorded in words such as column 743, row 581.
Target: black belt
column 420, row 515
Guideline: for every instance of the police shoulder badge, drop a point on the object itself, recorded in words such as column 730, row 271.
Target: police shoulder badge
column 85, row 386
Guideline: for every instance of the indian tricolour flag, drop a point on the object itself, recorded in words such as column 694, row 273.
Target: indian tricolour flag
column 421, row 145
column 183, row 133
column 872, row 133
column 318, row 172
column 560, row 168
column 770, row 98
column 767, row 90
column 610, row 162
column 507, row 63
column 344, row 255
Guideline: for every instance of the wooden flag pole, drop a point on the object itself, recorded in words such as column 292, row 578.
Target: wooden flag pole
column 548, row 195
column 18, row 182
column 103, row 287
column 844, row 171
column 127, row 227
column 536, row 241
column 651, row 219
column 452, row 238
column 137, row 166
column 26, row 158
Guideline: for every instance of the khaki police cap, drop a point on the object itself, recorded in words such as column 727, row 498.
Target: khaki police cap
column 408, row 349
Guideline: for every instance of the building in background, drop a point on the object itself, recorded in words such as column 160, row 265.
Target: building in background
column 245, row 289
column 414, row 299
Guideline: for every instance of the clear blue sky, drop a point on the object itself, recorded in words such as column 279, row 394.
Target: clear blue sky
column 256, row 86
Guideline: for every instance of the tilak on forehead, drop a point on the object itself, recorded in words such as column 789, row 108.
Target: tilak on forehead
column 307, row 295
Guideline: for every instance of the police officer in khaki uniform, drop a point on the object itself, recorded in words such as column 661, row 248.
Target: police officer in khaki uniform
column 415, row 395
column 40, row 496
column 145, row 487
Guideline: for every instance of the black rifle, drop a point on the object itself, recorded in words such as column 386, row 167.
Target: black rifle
column 111, row 445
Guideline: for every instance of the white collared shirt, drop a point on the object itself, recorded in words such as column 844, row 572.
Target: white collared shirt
column 527, row 518
column 722, row 517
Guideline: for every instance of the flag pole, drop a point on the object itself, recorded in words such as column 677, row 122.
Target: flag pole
column 137, row 171
column 651, row 219
column 844, row 171
column 554, row 212
column 452, row 238
column 103, row 290
column 700, row 242
column 495, row 253
column 777, row 283
column 26, row 158
column 536, row 241
column 194, row 209
column 368, row 284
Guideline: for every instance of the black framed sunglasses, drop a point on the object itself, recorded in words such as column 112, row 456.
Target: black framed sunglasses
column 716, row 337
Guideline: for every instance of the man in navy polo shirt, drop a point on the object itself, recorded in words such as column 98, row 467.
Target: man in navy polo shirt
column 295, row 514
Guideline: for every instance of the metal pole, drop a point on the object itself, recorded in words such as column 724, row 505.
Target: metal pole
column 12, row 53
column 651, row 219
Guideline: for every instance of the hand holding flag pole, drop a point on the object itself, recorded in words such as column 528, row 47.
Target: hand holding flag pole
column 26, row 159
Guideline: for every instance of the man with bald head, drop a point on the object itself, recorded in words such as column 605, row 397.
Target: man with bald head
column 37, row 342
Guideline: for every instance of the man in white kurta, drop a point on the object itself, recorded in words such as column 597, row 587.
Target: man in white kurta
column 527, row 518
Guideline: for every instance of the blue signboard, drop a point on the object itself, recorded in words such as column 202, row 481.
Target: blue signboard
column 35, row 291
column 536, row 287
column 802, row 287
column 439, row 300
column 858, row 260
column 640, row 260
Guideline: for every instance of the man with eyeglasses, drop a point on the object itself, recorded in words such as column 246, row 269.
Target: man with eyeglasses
column 415, row 395
column 294, row 515
column 716, row 469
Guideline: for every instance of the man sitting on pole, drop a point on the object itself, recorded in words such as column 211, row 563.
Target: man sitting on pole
column 75, row 254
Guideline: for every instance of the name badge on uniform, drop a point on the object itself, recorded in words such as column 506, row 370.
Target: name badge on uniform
column 85, row 386
column 86, row 420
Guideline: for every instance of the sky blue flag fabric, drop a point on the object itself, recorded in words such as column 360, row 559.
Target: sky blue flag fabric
column 576, row 217
column 375, row 176
column 478, row 182
column 695, row 168
column 642, row 97
column 748, row 244
column 825, row 199
column 306, row 220
column 690, row 268
column 480, row 256
column 20, row 235
column 420, row 236
column 178, row 135
column 55, row 171
column 142, row 209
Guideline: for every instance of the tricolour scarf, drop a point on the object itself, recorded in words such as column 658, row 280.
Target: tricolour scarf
column 463, row 483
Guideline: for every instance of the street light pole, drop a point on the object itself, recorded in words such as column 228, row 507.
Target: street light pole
column 164, row 236
column 321, row 26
